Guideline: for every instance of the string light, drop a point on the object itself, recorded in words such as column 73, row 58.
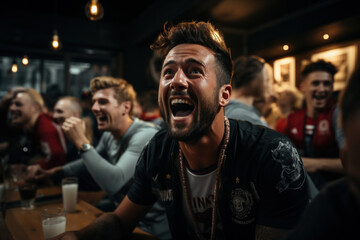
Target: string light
column 55, row 43
column 326, row 36
column 94, row 10
column 25, row 60
column 14, row 67
column 286, row 47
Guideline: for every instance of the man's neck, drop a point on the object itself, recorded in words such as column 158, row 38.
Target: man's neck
column 204, row 152
column 240, row 95
column 31, row 124
column 312, row 112
column 123, row 127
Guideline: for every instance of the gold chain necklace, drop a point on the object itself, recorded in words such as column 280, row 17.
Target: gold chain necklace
column 186, row 183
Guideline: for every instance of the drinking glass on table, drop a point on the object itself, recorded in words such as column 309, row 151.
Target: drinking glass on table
column 27, row 195
column 69, row 187
column 53, row 221
column 15, row 175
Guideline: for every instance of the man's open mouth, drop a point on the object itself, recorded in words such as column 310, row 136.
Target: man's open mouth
column 14, row 115
column 60, row 120
column 181, row 107
column 317, row 97
column 101, row 119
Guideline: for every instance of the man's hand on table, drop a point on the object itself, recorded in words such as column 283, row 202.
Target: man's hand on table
column 36, row 172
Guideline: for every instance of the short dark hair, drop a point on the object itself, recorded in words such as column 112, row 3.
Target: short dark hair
column 320, row 65
column 246, row 68
column 349, row 99
column 202, row 33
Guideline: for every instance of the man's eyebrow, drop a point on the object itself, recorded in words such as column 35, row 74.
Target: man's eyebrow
column 192, row 60
column 189, row 60
column 168, row 63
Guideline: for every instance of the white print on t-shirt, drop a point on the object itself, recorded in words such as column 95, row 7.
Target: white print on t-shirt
column 324, row 127
column 292, row 174
column 202, row 199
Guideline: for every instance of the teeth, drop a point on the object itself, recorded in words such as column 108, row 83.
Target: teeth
column 181, row 100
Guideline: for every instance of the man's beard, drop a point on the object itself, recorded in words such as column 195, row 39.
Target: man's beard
column 198, row 127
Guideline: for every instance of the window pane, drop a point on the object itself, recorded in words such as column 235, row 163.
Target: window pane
column 81, row 74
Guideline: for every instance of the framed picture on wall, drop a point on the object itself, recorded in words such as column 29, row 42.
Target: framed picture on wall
column 344, row 59
column 284, row 72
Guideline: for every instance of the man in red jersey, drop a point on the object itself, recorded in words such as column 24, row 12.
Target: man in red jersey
column 314, row 129
column 26, row 111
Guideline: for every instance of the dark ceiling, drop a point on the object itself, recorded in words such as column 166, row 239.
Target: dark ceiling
column 249, row 26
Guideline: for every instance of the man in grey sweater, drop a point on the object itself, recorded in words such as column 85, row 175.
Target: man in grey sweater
column 248, row 83
column 112, row 163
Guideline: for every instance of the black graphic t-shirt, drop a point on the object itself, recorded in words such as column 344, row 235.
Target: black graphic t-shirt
column 263, row 182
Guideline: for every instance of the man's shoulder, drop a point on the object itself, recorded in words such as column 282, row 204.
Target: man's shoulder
column 144, row 125
column 162, row 135
column 237, row 105
column 45, row 118
column 242, row 111
column 143, row 128
column 162, row 141
column 255, row 136
column 45, row 123
column 298, row 112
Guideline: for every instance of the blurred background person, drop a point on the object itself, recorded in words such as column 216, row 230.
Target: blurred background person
column 26, row 113
column 335, row 212
column 248, row 83
column 8, row 134
column 69, row 106
column 288, row 100
column 313, row 129
column 266, row 104
column 150, row 111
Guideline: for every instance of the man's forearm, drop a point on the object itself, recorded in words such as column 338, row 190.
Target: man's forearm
column 107, row 226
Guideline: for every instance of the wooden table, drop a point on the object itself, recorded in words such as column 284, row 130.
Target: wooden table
column 14, row 195
column 26, row 224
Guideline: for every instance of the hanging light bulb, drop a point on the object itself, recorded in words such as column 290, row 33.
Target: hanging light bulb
column 94, row 10
column 14, row 67
column 55, row 43
column 25, row 60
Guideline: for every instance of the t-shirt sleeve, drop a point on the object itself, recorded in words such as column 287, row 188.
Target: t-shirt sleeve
column 141, row 189
column 282, row 185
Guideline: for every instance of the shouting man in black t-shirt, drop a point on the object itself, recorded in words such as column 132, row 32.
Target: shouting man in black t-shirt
column 218, row 178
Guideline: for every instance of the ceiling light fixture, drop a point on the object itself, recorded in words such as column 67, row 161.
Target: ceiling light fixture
column 286, row 47
column 55, row 43
column 326, row 36
column 14, row 67
column 25, row 60
column 94, row 10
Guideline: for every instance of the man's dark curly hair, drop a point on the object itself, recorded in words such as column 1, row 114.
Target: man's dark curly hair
column 320, row 65
column 202, row 33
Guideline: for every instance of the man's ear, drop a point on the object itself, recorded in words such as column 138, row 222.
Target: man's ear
column 127, row 106
column 36, row 108
column 302, row 86
column 224, row 95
